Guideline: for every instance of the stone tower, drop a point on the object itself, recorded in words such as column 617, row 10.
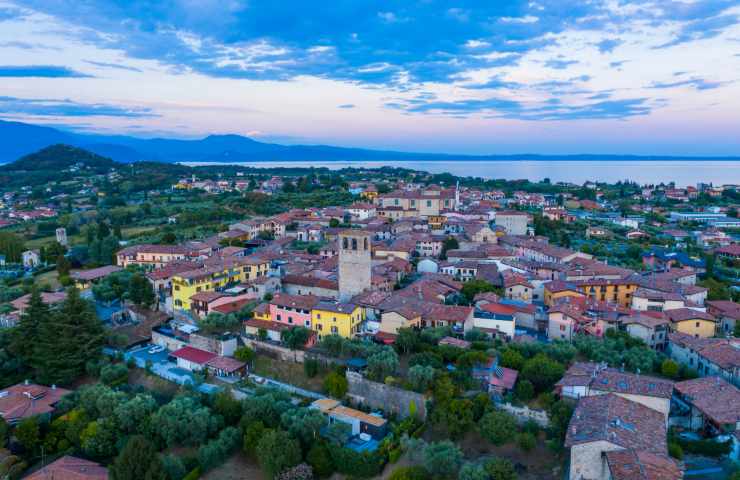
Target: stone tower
column 355, row 264
column 62, row 236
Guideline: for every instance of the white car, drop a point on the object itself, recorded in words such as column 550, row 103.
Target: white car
column 156, row 349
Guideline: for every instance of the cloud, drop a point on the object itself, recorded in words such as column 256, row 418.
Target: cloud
column 701, row 29
column 559, row 64
column 552, row 109
column 346, row 106
column 608, row 45
column 496, row 83
column 28, row 45
column 697, row 83
column 44, row 71
column 116, row 66
column 67, row 108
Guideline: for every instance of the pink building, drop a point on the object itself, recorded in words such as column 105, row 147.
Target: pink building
column 292, row 310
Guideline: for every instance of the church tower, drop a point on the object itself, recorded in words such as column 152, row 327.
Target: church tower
column 355, row 265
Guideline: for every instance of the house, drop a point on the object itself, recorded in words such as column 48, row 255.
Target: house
column 641, row 465
column 709, row 405
column 496, row 380
column 84, row 279
column 692, row 322
column 496, row 320
column 557, row 289
column 707, row 356
column 292, row 310
column 360, row 422
column 192, row 359
column 651, row 329
column 153, row 256
column 31, row 258
column 70, row 468
column 514, row 222
column 727, row 314
column 49, row 298
column 517, row 287
column 271, row 330
column 656, row 301
column 335, row 318
column 27, row 400
column 607, row 290
column 605, row 423
column 585, row 379
column 221, row 366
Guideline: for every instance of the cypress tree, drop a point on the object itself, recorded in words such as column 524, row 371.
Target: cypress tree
column 27, row 333
column 69, row 338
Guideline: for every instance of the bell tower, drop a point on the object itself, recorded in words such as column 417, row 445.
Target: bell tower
column 355, row 264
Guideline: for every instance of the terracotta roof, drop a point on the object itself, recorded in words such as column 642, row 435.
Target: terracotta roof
column 683, row 314
column 21, row 400
column 714, row 397
column 70, row 468
column 194, row 355
column 226, row 364
column 640, row 465
column 302, row 302
column 266, row 325
column 309, row 281
column 614, row 419
column 94, row 273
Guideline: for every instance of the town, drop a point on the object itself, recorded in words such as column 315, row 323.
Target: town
column 162, row 321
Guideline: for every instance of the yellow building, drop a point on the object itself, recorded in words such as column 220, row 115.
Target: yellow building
column 692, row 322
column 614, row 291
column 556, row 290
column 334, row 318
column 216, row 273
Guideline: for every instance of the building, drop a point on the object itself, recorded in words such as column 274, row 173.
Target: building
column 28, row 400
column 556, row 289
column 334, row 318
column 606, row 423
column 496, row 320
column 61, row 235
column 355, row 265
column 692, row 322
column 513, row 222
column 651, row 329
column 31, row 258
column 709, row 405
column 585, row 379
column 707, row 356
column 640, row 465
column 292, row 310
column 606, row 290
column 85, row 279
column 70, row 468
column 153, row 256
column 727, row 314
column 360, row 422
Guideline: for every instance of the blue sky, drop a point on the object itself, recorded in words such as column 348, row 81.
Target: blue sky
column 544, row 76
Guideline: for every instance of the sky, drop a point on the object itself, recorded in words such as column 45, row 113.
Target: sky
column 465, row 76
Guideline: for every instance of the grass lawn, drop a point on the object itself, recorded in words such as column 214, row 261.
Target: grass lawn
column 237, row 467
column 288, row 372
column 51, row 278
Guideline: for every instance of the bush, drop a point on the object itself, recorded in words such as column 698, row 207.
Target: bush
column 311, row 367
column 218, row 450
column 115, row 374
column 669, row 368
column 675, row 450
column 498, row 427
column 524, row 390
column 409, row 473
column 526, row 441
column 336, row 385
column 320, row 460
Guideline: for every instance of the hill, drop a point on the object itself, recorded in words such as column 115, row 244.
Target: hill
column 18, row 139
column 61, row 157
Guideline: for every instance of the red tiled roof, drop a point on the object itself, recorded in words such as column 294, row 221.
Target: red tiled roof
column 70, row 468
column 21, row 400
column 640, row 465
column 227, row 364
column 94, row 273
column 194, row 355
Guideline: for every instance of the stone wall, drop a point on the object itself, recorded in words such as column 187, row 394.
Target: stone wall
column 274, row 351
column 524, row 414
column 390, row 399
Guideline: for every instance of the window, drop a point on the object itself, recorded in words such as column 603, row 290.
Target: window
column 562, row 328
column 318, row 316
column 290, row 319
column 429, row 203
column 308, row 323
column 279, row 317
column 334, row 330
column 319, row 326
column 697, row 324
column 345, row 242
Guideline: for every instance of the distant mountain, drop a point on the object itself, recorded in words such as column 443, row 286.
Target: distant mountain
column 18, row 139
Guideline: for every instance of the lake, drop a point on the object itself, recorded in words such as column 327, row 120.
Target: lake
column 682, row 172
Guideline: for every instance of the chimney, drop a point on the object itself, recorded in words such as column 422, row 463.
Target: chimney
column 26, row 382
column 53, row 386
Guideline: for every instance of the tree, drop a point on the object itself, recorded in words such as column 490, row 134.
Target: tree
column 524, row 390
column 133, row 415
column 526, row 441
column 218, row 450
column 140, row 291
column 510, row 358
column 456, row 416
column 11, row 245
column 301, row 471
column 338, row 433
column 473, row 471
column 26, row 334
column 736, row 330
column 296, row 337
column 63, row 266
column 382, row 364
column 414, row 472
column 500, row 469
column 304, row 424
column 421, row 377
column 669, row 368
column 543, row 372
column 407, row 339
column 245, row 354
column 320, row 460
column 138, row 460
column 98, row 439
column 336, row 385
column 4, row 432
column 68, row 339
column 184, row 421
column 450, row 243
column 443, row 458
column 498, row 427
column 252, row 435
column 227, row 406
column 277, row 451
column 472, row 288
column 28, row 434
